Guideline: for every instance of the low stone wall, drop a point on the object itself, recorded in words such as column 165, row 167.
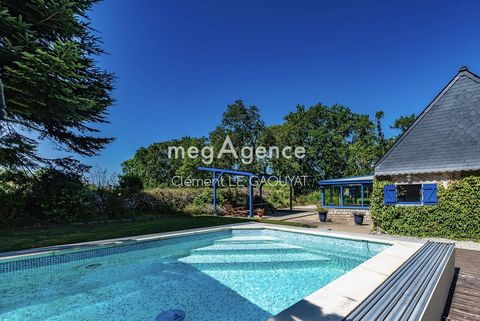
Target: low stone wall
column 345, row 215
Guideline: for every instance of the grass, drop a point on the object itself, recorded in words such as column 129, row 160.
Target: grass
column 19, row 239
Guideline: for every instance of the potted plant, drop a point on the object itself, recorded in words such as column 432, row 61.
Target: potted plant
column 322, row 213
column 358, row 216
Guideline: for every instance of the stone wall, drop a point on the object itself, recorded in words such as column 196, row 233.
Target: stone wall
column 444, row 178
column 345, row 215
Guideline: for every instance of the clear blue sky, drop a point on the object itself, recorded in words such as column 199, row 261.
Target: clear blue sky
column 180, row 62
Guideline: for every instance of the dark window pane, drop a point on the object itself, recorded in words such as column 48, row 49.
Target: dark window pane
column 332, row 196
column 352, row 195
column 409, row 193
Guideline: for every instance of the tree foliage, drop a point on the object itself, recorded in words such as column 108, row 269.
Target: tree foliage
column 402, row 123
column 338, row 142
column 154, row 167
column 53, row 88
column 244, row 126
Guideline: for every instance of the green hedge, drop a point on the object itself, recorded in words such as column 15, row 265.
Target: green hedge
column 313, row 198
column 456, row 216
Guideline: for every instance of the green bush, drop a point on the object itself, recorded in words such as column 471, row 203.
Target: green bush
column 321, row 210
column 13, row 208
column 175, row 197
column 308, row 199
column 53, row 197
column 206, row 198
column 235, row 196
column 456, row 216
column 276, row 194
column 106, row 204
column 199, row 209
column 58, row 197
column 130, row 184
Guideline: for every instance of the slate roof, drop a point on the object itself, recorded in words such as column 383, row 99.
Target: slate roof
column 445, row 137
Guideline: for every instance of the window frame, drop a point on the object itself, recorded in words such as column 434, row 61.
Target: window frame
column 422, row 195
column 325, row 200
column 341, row 187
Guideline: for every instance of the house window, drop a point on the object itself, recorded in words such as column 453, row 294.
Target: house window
column 352, row 195
column 425, row 194
column 332, row 196
column 409, row 194
column 349, row 196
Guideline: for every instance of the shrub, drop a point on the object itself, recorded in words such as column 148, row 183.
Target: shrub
column 58, row 197
column 13, row 199
column 238, row 197
column 200, row 209
column 12, row 208
column 54, row 197
column 321, row 210
column 130, row 184
column 139, row 202
column 313, row 198
column 206, row 197
column 456, row 215
column 106, row 203
column 308, row 199
column 174, row 197
column 277, row 194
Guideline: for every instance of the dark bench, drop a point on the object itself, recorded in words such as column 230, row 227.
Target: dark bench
column 418, row 290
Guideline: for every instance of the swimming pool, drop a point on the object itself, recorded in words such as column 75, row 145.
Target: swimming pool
column 234, row 274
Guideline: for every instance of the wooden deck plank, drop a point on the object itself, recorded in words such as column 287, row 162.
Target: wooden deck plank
column 464, row 300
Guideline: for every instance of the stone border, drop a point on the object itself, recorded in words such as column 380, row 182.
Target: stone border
column 331, row 302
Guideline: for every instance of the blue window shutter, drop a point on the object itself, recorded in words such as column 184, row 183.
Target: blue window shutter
column 429, row 194
column 389, row 195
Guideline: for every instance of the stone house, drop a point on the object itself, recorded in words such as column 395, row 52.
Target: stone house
column 441, row 146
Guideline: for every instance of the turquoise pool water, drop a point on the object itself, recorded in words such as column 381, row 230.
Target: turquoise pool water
column 229, row 275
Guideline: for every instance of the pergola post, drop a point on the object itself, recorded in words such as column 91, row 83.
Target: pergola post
column 322, row 196
column 217, row 174
column 362, row 193
column 250, row 197
column 341, row 195
column 215, row 191
column 291, row 196
column 261, row 194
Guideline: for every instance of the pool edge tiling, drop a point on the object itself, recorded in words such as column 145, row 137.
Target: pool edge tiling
column 333, row 301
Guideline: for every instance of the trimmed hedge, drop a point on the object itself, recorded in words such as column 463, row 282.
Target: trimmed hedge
column 456, row 216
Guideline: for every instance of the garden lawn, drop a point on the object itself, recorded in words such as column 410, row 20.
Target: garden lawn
column 25, row 238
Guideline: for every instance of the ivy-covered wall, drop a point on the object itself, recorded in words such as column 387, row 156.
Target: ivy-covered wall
column 456, row 216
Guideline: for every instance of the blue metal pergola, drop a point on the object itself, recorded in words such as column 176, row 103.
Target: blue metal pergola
column 217, row 174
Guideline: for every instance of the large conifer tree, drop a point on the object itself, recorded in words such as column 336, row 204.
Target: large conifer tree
column 53, row 88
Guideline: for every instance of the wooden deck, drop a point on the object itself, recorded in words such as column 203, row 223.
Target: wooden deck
column 464, row 300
